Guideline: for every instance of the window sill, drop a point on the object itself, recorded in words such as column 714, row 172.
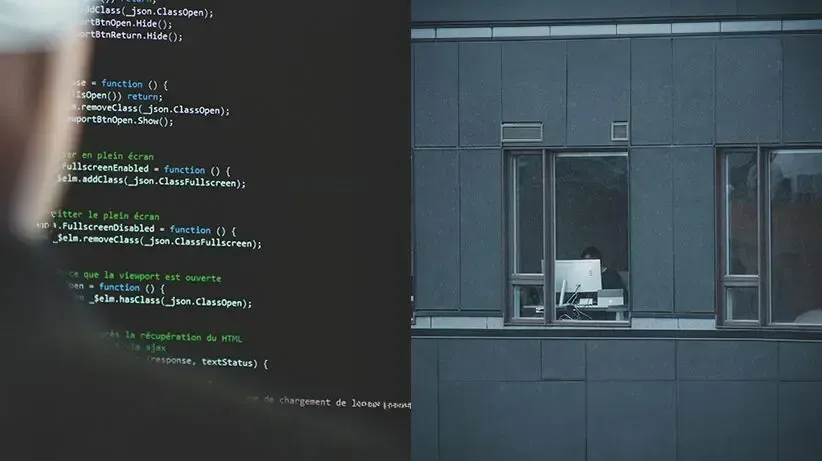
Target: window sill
column 497, row 324
column 648, row 328
column 569, row 324
column 775, row 327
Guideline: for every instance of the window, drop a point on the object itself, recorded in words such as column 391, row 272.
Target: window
column 770, row 261
column 412, row 252
column 570, row 209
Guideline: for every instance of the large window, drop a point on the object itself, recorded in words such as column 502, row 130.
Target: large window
column 770, row 261
column 571, row 210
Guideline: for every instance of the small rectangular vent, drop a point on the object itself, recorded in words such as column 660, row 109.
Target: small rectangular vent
column 521, row 132
column 619, row 131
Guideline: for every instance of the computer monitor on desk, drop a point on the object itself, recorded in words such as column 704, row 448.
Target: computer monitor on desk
column 577, row 276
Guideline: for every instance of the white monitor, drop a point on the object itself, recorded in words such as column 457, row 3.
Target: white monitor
column 579, row 275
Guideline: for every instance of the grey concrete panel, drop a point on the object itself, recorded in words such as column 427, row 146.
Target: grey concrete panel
column 425, row 400
column 534, row 86
column 726, row 360
column 694, row 229
column 781, row 7
column 536, row 10
column 512, row 421
column 652, row 269
column 599, row 80
column 436, row 95
column 489, row 360
column 800, row 361
column 749, row 90
column 802, row 89
column 629, row 421
column 563, row 359
column 703, row 8
column 436, row 230
column 480, row 93
column 800, row 421
column 630, row 360
column 481, row 216
column 694, row 90
column 651, row 91
column 727, row 420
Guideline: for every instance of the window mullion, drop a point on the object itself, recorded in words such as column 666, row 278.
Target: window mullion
column 741, row 281
column 722, row 233
column 763, row 227
column 514, row 191
column 548, row 236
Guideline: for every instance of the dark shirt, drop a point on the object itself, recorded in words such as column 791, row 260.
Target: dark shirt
column 611, row 280
column 66, row 393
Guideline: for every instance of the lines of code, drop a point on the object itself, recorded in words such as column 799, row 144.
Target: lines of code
column 144, row 169
column 165, row 290
column 141, row 228
column 173, row 223
column 150, row 20
column 156, row 232
column 161, row 347
column 134, row 102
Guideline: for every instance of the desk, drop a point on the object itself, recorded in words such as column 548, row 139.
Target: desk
column 620, row 312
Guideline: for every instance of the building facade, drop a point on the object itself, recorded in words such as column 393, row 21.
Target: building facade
column 680, row 138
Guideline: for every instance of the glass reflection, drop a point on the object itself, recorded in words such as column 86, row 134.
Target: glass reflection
column 741, row 183
column 742, row 303
column 529, row 301
column 796, row 247
column 528, row 213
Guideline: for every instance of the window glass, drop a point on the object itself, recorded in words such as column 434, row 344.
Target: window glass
column 528, row 213
column 742, row 303
column 796, row 246
column 741, row 185
column 591, row 199
column 529, row 301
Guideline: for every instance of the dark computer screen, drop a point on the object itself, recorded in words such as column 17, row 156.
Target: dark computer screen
column 218, row 222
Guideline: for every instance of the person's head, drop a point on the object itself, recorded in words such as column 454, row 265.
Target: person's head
column 41, row 58
column 591, row 253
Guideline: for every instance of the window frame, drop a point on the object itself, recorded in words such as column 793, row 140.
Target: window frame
column 413, row 243
column 513, row 280
column 763, row 281
column 724, row 279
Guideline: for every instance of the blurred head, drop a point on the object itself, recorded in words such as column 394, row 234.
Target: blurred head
column 41, row 56
column 591, row 253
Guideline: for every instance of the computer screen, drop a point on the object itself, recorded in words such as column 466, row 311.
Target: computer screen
column 210, row 231
column 578, row 275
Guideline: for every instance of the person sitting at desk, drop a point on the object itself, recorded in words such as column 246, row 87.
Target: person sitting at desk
column 610, row 278
column 610, row 281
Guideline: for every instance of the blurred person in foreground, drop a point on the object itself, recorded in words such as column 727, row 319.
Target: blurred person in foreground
column 64, row 391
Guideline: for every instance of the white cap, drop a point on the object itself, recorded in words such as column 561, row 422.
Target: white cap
column 37, row 24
